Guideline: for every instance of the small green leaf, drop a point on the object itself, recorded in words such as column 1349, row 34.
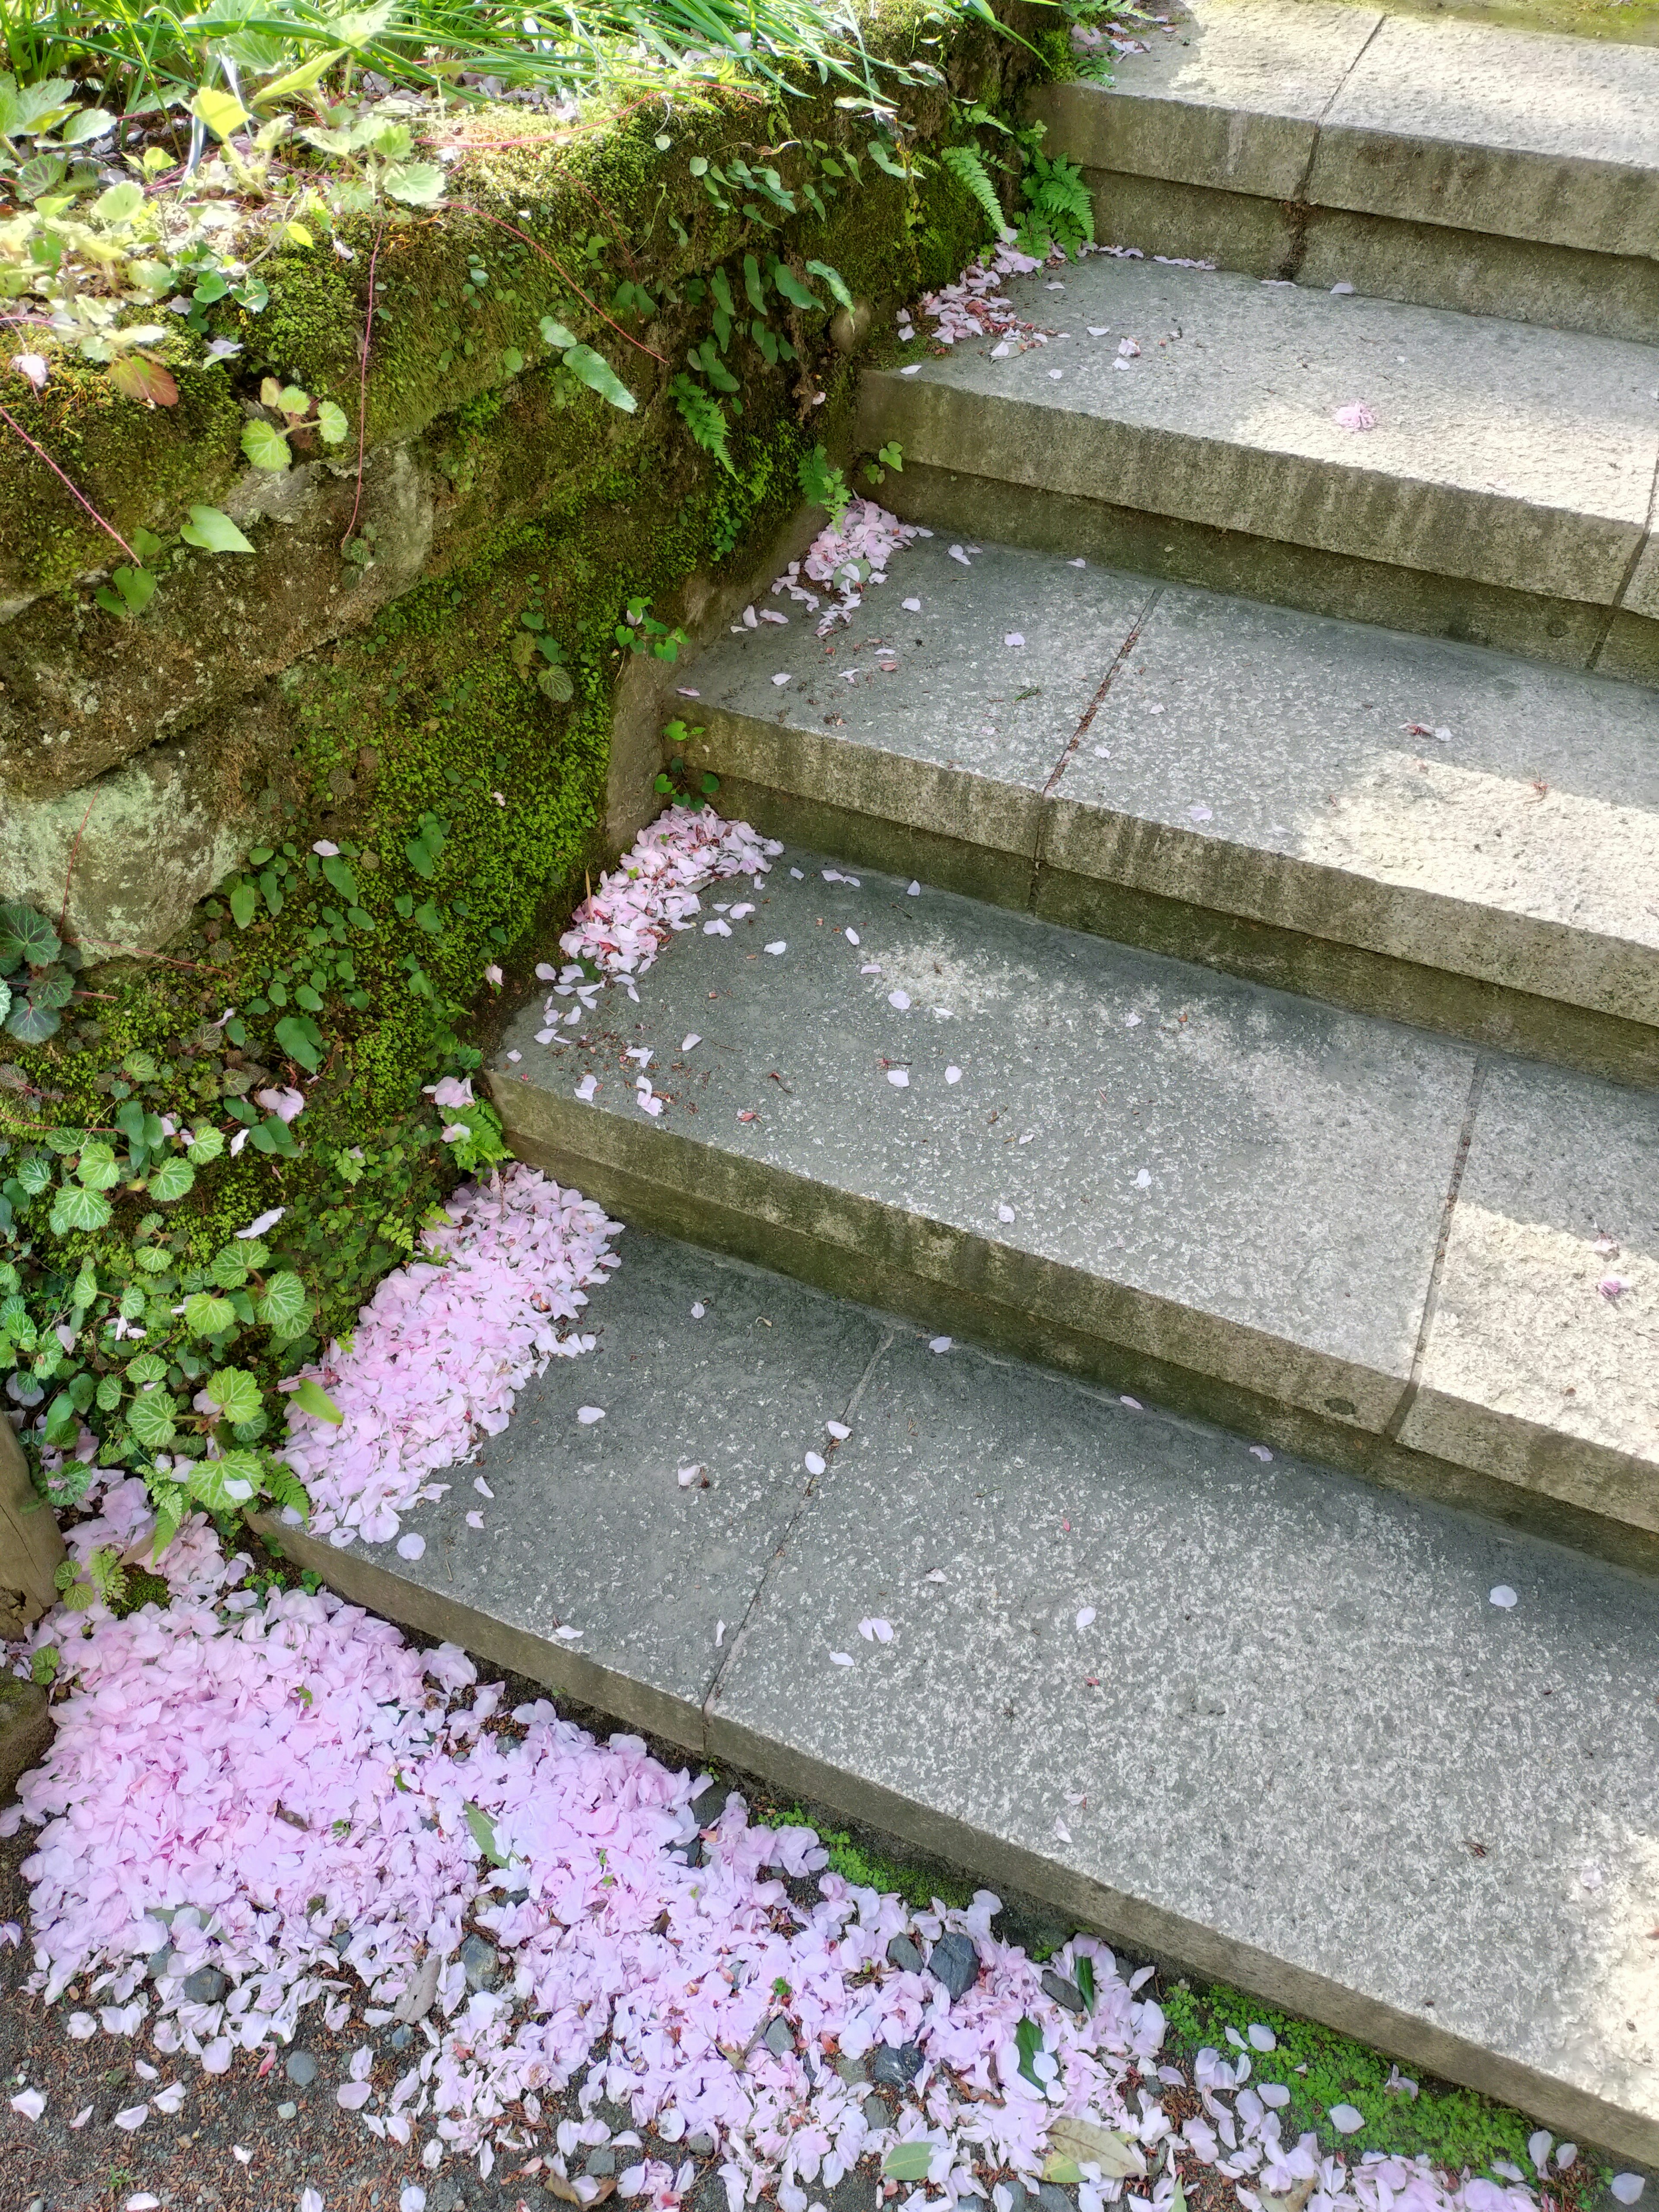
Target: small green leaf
column 119, row 203
column 210, row 532
column 207, row 1315
column 266, row 448
column 150, row 1418
column 235, row 1392
column 171, row 1180
column 908, row 2161
column 1058, row 2168
column 338, row 873
column 146, row 1367
column 554, row 333
column 282, row 1305
column 244, row 904
column 1028, row 2041
column 331, row 425
column 296, row 1038
column 207, row 1145
column 221, row 111
column 310, row 1398
column 416, row 184
column 834, row 280
column 556, row 683
column 596, row 371
column 511, row 361
column 796, row 293
column 97, row 1168
column 483, row 1834
column 76, row 1207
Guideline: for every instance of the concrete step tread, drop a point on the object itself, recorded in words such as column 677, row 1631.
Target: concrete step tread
column 1295, row 1745
column 1447, row 806
column 1503, row 453
column 1517, row 134
column 1145, row 1171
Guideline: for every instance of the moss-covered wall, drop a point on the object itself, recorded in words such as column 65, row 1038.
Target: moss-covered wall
column 384, row 700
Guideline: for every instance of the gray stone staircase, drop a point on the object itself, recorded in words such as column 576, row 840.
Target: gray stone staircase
column 1182, row 1105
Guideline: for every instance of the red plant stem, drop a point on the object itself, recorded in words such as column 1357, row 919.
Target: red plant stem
column 362, row 384
column 536, row 246
column 12, row 422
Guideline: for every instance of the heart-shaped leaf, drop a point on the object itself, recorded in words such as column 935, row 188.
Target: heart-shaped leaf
column 210, row 532
column 171, row 1180
column 310, row 1398
column 266, row 448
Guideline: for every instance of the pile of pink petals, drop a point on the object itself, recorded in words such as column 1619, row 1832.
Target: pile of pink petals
column 973, row 307
column 621, row 928
column 442, row 1348
column 287, row 1793
column 843, row 561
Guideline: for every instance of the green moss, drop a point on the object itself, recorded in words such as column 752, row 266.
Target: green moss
column 1457, row 2128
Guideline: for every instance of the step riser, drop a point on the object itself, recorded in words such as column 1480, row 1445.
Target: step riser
column 1061, row 1317
column 1612, row 296
column 1294, row 532
column 1178, row 894
column 1048, row 513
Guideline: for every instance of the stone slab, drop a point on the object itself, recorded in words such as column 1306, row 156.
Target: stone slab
column 1483, row 128
column 1291, row 767
column 1231, row 97
column 967, row 728
column 588, row 1528
column 25, row 1731
column 1247, row 762
column 1512, row 456
column 1560, row 1195
column 1241, row 1188
column 1296, row 1746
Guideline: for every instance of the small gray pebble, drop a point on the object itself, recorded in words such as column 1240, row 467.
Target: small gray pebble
column 708, row 1804
column 1021, row 2194
column 1051, row 2197
column 341, row 1939
column 402, row 2036
column 691, row 1854
column 1062, row 1991
column 480, row 1963
column 895, row 2068
column 286, row 2111
column 954, row 1961
column 878, row 2113
column 851, row 2071
column 780, row 2037
column 702, row 2144
column 205, row 1986
column 905, row 1955
column 37, row 2204
column 159, row 1962
column 301, row 2070
column 601, row 2162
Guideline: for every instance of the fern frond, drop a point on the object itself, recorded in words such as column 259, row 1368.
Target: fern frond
column 967, row 167
column 704, row 417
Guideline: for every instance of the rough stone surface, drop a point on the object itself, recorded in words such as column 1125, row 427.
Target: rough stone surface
column 1062, row 1991
column 1453, row 811
column 300, row 2069
column 1507, row 455
column 896, row 2065
column 205, row 1986
column 1545, row 1329
column 780, row 2037
column 1247, row 1186
column 25, row 1731
column 906, row 1955
column 1270, row 1639
column 482, row 1962
column 954, row 1961
column 30, row 1547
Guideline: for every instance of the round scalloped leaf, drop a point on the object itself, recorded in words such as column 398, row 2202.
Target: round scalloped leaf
column 266, row 448
column 283, row 1308
column 332, row 424
column 33, row 1024
column 235, row 1392
column 27, row 935
column 171, row 1180
column 206, row 1144
column 147, row 1367
column 5, row 1001
column 96, row 1168
column 76, row 1207
column 206, row 1315
column 150, row 1418
column 51, row 987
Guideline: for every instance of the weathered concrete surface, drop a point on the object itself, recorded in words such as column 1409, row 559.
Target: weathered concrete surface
column 589, row 1529
column 1231, row 98
column 1484, row 128
column 31, row 1546
column 25, row 1731
column 1293, row 1714
column 1155, row 1135
column 1518, row 458
column 1544, row 1333
column 1240, row 762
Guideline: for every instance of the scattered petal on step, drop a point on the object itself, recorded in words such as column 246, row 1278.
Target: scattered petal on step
column 31, row 2103
column 914, row 369
column 1261, row 2038
column 1099, row 331
column 698, row 1310
column 1143, row 1179
column 778, row 945
column 1056, row 374
column 953, row 1075
column 690, row 1478
column 1539, row 2145
column 1134, row 1404
column 1274, row 2095
column 1627, row 2188
column 411, row 1546
column 913, row 891
column 587, row 1087
column 840, row 1658
column 957, row 554
column 1566, row 2156
column 1127, row 349
column 939, row 1344
column 1590, row 1876
column 566, row 1634
column 815, row 1462
column 588, row 1414
column 1346, row 2119
column 899, row 1077
column 1085, row 1616
column 1201, row 813
column 1261, row 1452
column 1502, row 1596
column 1613, row 1288
column 1341, row 291
column 911, row 606
column 1062, row 1831
column 1005, row 1213
column 838, row 1430
column 781, row 678
column 1014, row 637
column 852, row 936
column 1357, row 416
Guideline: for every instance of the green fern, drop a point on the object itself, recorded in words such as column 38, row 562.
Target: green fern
column 968, row 168
column 705, row 418
column 1060, row 211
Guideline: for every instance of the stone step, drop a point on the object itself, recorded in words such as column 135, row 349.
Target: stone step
column 1457, row 164
column 1227, row 782
column 1295, row 1747
column 1327, row 1231
column 1504, row 496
